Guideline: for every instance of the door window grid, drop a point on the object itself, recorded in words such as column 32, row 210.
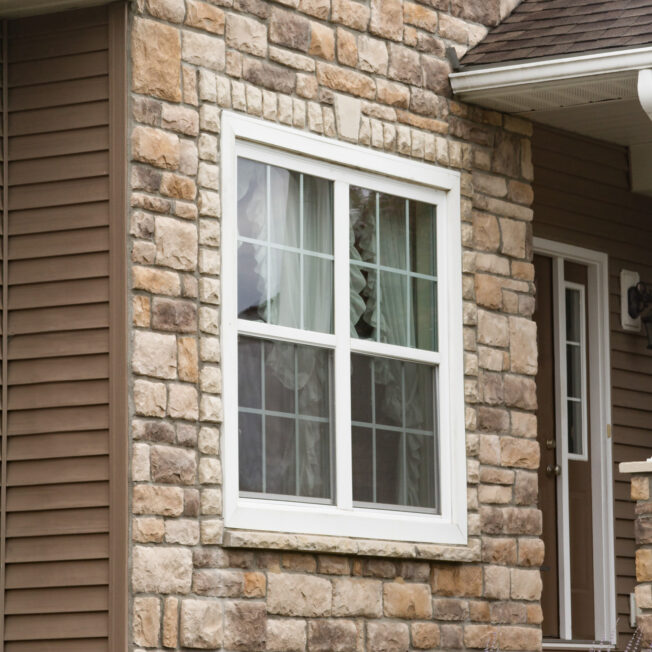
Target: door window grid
column 574, row 351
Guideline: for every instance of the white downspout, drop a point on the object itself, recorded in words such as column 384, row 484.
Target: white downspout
column 640, row 154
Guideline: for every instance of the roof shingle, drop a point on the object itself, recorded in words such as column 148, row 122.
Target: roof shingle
column 546, row 28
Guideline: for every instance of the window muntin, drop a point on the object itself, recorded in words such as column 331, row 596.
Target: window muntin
column 348, row 165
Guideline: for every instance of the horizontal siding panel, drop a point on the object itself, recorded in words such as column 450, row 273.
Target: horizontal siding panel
column 65, row 496
column 49, row 395
column 43, row 320
column 63, row 444
column 60, row 193
column 59, row 118
column 63, row 23
column 61, row 471
column 74, row 66
column 58, row 574
column 67, row 343
column 60, row 243
column 59, row 168
column 59, row 143
column 57, row 548
column 35, row 422
column 59, row 293
column 57, row 522
column 59, row 218
column 53, row 44
column 77, row 645
column 48, row 626
column 59, row 268
column 25, row 372
column 76, row 599
column 63, row 93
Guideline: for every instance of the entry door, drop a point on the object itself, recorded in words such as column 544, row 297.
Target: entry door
column 565, row 478
column 63, row 477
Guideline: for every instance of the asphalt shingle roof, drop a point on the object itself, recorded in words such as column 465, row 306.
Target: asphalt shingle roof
column 550, row 28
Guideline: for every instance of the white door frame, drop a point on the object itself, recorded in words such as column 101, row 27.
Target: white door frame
column 604, row 573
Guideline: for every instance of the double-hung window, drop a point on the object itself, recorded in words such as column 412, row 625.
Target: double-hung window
column 342, row 339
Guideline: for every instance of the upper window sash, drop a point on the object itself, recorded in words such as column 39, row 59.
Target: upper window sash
column 346, row 165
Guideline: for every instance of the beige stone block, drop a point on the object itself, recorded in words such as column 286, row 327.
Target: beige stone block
column 154, row 354
column 165, row 501
column 147, row 620
column 496, row 582
column 147, row 530
column 176, row 243
column 407, row 600
column 182, row 402
column 154, row 41
column 298, row 595
column 387, row 637
column 178, row 187
column 209, row 441
column 486, row 234
column 347, row 48
column 350, row 13
column 169, row 10
column 372, row 55
column 519, row 452
column 640, row 488
column 526, row 584
column 322, row 41
column 514, row 234
column 205, row 16
column 387, row 19
column 644, row 565
column 357, row 597
column 161, row 570
column 140, row 463
column 218, row 583
column 155, row 147
column 173, row 465
column 188, row 363
column 141, row 311
column 156, row 281
column 210, row 408
column 347, row 115
column 285, row 635
column 290, row 30
column 494, row 494
column 255, row 585
column 479, row 636
column 519, row 638
column 246, row 34
column 520, row 392
column 182, row 531
column 346, row 81
column 210, row 471
column 203, row 50
column 523, row 345
column 211, row 531
column 425, row 636
column 201, row 624
column 245, row 626
column 171, row 623
column 211, row 501
column 332, row 636
column 493, row 329
column 499, row 550
column 150, row 399
column 393, row 94
column 404, row 65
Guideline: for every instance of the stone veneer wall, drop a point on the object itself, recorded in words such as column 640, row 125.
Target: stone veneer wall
column 374, row 73
column 640, row 492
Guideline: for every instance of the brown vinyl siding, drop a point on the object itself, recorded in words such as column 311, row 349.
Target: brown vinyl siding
column 582, row 197
column 63, row 436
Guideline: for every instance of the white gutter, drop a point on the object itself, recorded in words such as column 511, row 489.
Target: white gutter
column 644, row 88
column 556, row 70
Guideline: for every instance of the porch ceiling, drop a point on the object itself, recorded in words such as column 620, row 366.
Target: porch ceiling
column 15, row 8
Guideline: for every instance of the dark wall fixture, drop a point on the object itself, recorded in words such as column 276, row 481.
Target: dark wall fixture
column 639, row 301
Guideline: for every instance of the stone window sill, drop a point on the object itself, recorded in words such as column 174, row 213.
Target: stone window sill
column 348, row 546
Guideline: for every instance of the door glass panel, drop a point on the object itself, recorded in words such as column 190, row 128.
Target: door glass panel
column 575, row 370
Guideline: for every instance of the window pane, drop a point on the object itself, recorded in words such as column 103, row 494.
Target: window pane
column 574, row 370
column 393, row 296
column 250, row 452
column 575, row 427
column 424, row 314
column 317, row 214
column 318, row 294
column 423, row 239
column 285, row 215
column 573, row 322
column 394, row 436
column 392, row 231
column 252, row 199
column 252, row 281
column 285, row 418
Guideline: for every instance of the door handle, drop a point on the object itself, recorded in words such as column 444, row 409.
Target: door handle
column 553, row 470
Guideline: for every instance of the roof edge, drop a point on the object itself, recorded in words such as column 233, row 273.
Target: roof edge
column 511, row 75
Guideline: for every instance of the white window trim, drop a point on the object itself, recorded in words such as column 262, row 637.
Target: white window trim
column 348, row 163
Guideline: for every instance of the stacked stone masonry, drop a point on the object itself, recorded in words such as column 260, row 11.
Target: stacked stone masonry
column 373, row 73
column 640, row 492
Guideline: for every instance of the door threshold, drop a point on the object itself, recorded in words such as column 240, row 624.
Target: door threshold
column 560, row 644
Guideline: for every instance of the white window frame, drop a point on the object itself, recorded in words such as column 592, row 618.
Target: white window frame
column 345, row 164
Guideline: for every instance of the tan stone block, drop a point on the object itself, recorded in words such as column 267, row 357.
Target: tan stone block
column 644, row 565
column 173, row 465
column 155, row 280
column 211, row 532
column 161, row 570
column 393, row 94
column 322, row 41
column 290, row 30
column 640, row 488
column 332, row 636
column 450, row 609
column 210, row 471
column 286, row 635
column 171, row 623
column 298, row 595
column 493, row 329
column 150, row 399
column 178, row 187
column 154, row 354
column 140, row 463
column 456, row 580
column 357, row 597
column 486, row 234
column 154, row 41
column 176, row 243
column 404, row 65
column 218, row 583
column 387, row 19
column 524, row 425
column 255, row 585
column 147, row 530
column 534, row 614
column 425, row 636
column 166, row 501
column 518, row 452
column 496, row 582
column 488, row 291
column 514, row 234
column 347, row 48
column 205, row 16
column 188, row 363
column 387, row 637
column 203, row 50
column 183, row 402
column 523, row 345
column 522, row 520
column 181, row 119
column 168, row 10
column 183, row 531
column 350, row 13
column 201, row 624
column 498, row 550
column 526, row 584
column 140, row 311
column 494, row 494
column 155, row 147
column 479, row 636
column 526, row 488
column 520, row 392
column 508, row 613
column 211, row 501
column 246, row 34
column 420, row 16
column 372, row 55
column 347, row 81
column 489, row 184
column 245, row 626
column 146, row 623
column 519, row 638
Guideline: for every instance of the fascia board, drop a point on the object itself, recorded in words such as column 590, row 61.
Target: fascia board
column 18, row 8
column 549, row 71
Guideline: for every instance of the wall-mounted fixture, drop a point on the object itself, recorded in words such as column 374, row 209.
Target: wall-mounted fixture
column 639, row 303
column 628, row 278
